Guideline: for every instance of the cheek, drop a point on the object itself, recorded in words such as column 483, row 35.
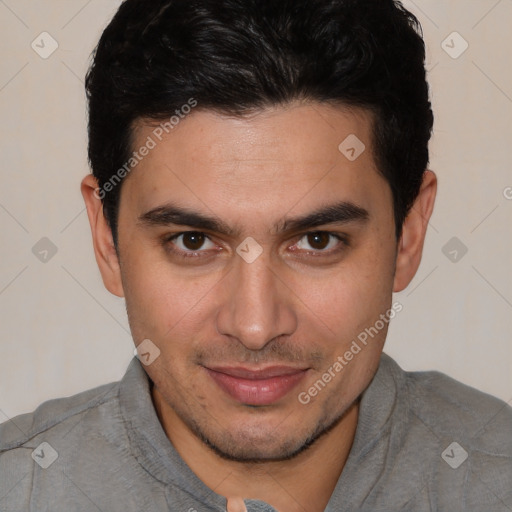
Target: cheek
column 350, row 298
column 162, row 302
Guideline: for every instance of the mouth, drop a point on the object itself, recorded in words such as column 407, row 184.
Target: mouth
column 263, row 386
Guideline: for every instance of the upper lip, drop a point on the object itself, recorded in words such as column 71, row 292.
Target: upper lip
column 256, row 373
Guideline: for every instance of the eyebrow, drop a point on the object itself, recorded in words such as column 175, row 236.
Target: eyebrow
column 339, row 213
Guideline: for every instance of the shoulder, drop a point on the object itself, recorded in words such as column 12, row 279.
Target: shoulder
column 53, row 415
column 447, row 406
column 461, row 435
column 55, row 428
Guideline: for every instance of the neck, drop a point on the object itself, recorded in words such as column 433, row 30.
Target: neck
column 305, row 482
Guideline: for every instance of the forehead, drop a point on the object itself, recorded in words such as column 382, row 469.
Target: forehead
column 273, row 159
column 284, row 133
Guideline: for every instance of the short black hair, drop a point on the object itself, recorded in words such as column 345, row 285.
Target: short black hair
column 239, row 56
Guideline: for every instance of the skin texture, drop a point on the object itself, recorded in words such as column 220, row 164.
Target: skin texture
column 300, row 303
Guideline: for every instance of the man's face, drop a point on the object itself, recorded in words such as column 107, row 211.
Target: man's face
column 243, row 333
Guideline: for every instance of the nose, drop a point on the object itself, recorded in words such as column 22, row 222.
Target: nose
column 256, row 307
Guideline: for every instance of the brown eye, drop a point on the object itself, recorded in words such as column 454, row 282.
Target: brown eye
column 318, row 241
column 193, row 240
column 190, row 243
column 321, row 242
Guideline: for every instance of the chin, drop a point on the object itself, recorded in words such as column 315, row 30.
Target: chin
column 268, row 443
column 257, row 450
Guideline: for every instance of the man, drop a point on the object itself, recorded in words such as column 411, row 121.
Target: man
column 259, row 191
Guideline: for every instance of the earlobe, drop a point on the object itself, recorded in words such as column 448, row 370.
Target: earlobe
column 104, row 249
column 410, row 245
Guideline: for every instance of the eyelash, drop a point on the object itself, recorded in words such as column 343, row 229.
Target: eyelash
column 170, row 247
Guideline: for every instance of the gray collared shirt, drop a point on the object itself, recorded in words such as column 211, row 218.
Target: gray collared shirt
column 424, row 442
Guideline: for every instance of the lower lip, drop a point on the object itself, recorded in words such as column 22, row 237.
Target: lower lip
column 256, row 392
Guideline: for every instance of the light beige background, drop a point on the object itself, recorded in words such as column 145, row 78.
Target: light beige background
column 61, row 332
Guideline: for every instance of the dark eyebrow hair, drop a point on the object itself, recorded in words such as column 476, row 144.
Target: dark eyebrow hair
column 173, row 214
column 340, row 213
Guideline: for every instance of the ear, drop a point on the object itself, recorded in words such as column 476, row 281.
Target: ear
column 104, row 249
column 410, row 246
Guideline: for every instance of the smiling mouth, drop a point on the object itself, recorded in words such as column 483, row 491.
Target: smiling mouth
column 256, row 387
